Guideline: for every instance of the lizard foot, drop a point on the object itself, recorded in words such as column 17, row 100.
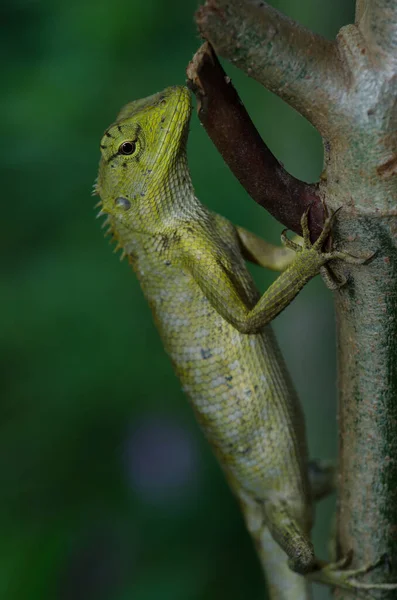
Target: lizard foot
column 337, row 575
column 317, row 249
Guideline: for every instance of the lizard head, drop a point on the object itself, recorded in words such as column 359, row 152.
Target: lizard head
column 140, row 151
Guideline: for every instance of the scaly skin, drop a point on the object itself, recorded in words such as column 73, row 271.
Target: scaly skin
column 213, row 323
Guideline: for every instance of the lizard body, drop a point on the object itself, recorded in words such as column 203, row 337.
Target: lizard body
column 213, row 324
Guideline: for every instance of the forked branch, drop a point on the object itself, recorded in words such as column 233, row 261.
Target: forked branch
column 299, row 66
column 232, row 131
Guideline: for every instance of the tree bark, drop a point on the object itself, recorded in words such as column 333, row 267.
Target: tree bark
column 348, row 90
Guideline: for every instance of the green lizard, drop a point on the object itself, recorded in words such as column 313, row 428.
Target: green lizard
column 213, row 323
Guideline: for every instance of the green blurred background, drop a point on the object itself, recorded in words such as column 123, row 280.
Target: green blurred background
column 108, row 490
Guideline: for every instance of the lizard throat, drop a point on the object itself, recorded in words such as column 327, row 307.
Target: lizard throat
column 169, row 200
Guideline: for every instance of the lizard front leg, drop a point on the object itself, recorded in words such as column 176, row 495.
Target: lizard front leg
column 220, row 283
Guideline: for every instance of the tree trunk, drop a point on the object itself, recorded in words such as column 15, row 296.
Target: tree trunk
column 348, row 90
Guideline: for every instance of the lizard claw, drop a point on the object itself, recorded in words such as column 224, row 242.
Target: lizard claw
column 289, row 243
column 330, row 280
column 320, row 258
column 336, row 575
column 319, row 243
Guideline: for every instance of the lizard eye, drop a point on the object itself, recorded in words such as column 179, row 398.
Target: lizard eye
column 127, row 148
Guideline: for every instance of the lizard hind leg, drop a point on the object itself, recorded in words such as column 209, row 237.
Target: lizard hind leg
column 282, row 582
column 337, row 575
column 290, row 536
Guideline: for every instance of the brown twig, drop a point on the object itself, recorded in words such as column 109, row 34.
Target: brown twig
column 232, row 131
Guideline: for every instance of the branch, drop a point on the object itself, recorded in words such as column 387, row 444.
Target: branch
column 360, row 8
column 367, row 339
column 378, row 24
column 299, row 66
column 229, row 126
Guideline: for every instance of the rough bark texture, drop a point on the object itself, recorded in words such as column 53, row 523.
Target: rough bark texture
column 348, row 90
column 299, row 66
column 378, row 24
column 367, row 335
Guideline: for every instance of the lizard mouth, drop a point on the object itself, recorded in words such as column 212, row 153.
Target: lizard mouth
column 177, row 105
column 183, row 104
column 173, row 107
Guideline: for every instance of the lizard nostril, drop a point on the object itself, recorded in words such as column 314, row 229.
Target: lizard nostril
column 123, row 203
